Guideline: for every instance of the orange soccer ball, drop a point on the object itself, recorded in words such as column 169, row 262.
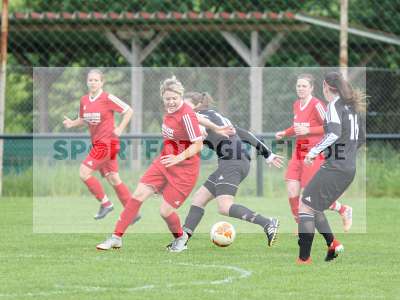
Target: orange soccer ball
column 222, row 234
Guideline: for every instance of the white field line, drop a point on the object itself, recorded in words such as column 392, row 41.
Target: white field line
column 74, row 289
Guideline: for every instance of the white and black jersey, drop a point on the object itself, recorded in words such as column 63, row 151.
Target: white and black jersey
column 234, row 159
column 343, row 134
column 225, row 148
column 232, row 147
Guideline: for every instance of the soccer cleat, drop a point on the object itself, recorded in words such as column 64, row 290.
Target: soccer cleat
column 347, row 217
column 103, row 211
column 308, row 261
column 114, row 242
column 271, row 230
column 179, row 244
column 333, row 250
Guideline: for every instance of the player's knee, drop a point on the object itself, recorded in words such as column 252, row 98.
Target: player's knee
column 84, row 174
column 165, row 212
column 304, row 208
column 223, row 209
column 113, row 178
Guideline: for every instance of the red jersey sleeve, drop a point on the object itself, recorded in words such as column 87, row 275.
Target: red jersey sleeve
column 319, row 111
column 117, row 104
column 191, row 125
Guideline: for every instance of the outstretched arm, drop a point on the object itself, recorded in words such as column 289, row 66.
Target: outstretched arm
column 68, row 123
column 225, row 131
column 249, row 138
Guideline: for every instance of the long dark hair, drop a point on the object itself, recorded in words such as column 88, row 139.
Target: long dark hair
column 200, row 101
column 352, row 97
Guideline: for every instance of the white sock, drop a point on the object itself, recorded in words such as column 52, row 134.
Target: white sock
column 336, row 206
column 105, row 200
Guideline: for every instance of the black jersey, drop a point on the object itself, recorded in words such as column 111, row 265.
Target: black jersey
column 232, row 147
column 226, row 148
column 344, row 132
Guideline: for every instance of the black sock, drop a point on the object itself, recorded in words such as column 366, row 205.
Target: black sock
column 322, row 225
column 193, row 219
column 306, row 234
column 243, row 213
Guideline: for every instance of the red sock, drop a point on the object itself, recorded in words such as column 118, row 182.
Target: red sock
column 123, row 193
column 342, row 209
column 294, row 206
column 174, row 224
column 125, row 219
column 95, row 187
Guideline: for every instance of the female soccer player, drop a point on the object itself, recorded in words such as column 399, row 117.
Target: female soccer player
column 343, row 135
column 309, row 114
column 97, row 111
column 174, row 172
column 233, row 167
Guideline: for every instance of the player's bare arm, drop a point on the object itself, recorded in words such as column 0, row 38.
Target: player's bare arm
column 225, row 131
column 68, row 123
column 126, row 117
column 193, row 149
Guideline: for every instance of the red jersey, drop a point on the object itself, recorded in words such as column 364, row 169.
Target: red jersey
column 312, row 114
column 98, row 113
column 180, row 129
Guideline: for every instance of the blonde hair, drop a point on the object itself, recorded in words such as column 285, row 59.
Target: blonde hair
column 172, row 84
column 96, row 71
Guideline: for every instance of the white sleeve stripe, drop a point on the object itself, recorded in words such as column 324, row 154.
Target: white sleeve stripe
column 332, row 113
column 262, row 144
column 328, row 140
column 189, row 128
column 119, row 102
column 321, row 111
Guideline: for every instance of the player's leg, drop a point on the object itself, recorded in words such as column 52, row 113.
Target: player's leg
column 122, row 191
column 293, row 176
column 196, row 211
column 306, row 230
column 227, row 207
column 293, row 189
column 95, row 187
column 171, row 218
column 131, row 210
column 345, row 212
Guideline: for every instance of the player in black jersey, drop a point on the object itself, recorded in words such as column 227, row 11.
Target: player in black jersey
column 233, row 167
column 344, row 134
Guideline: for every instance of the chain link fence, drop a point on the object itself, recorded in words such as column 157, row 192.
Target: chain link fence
column 199, row 34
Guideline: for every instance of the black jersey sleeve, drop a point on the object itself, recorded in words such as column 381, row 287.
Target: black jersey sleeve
column 249, row 138
column 332, row 127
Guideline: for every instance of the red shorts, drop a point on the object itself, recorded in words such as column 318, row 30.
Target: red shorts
column 174, row 183
column 103, row 158
column 297, row 170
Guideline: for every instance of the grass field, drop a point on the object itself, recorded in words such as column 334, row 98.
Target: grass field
column 67, row 266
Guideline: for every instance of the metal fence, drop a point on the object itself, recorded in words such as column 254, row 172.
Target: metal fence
column 134, row 34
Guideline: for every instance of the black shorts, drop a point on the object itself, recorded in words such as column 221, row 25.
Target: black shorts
column 326, row 187
column 226, row 179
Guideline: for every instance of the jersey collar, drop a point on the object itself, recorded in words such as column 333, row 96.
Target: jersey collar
column 305, row 105
column 95, row 97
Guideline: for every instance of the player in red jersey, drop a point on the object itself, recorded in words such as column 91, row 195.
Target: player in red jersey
column 97, row 111
column 309, row 114
column 174, row 172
